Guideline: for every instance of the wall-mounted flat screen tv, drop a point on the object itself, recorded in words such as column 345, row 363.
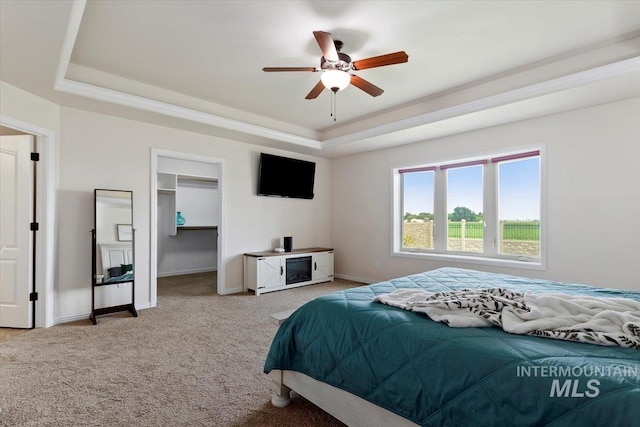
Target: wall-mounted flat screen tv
column 285, row 177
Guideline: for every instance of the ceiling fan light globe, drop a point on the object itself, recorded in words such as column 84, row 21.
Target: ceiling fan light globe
column 332, row 79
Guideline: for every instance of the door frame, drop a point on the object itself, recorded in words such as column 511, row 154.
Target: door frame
column 45, row 211
column 153, row 232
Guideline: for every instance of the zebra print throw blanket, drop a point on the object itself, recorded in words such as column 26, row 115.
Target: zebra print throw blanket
column 602, row 321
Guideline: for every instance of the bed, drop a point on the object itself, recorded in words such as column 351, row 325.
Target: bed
column 117, row 262
column 371, row 364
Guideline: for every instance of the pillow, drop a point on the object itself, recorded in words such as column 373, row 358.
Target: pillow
column 115, row 271
column 126, row 267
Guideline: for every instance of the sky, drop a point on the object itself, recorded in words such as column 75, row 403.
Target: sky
column 519, row 195
column 519, row 189
column 418, row 192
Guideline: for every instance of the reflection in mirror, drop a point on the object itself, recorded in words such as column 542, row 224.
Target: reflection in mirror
column 114, row 237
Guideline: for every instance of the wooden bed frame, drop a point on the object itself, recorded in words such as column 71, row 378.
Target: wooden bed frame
column 346, row 407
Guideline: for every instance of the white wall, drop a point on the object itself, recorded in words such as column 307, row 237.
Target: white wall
column 109, row 216
column 593, row 197
column 188, row 251
column 24, row 106
column 593, row 186
column 100, row 151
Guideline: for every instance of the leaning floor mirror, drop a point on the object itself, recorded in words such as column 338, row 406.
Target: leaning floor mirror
column 113, row 266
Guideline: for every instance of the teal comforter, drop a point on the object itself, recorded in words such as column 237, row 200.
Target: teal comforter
column 434, row 375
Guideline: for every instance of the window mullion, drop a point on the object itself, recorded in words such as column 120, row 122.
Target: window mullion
column 399, row 220
column 490, row 214
column 440, row 211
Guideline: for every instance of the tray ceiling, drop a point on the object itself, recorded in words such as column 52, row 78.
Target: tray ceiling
column 471, row 64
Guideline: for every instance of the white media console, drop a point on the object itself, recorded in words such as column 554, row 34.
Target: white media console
column 273, row 271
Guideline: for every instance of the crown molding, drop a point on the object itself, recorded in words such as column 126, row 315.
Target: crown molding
column 75, row 19
column 64, row 84
column 154, row 106
column 531, row 91
column 527, row 92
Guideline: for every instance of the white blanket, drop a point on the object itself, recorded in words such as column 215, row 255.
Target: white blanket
column 604, row 321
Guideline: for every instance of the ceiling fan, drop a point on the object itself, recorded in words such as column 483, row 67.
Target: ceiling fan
column 337, row 67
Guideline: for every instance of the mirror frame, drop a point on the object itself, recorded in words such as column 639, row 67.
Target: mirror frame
column 122, row 233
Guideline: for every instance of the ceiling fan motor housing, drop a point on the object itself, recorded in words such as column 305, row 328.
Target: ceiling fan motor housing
column 343, row 64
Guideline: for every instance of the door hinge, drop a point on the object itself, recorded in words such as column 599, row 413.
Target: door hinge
column 34, row 226
column 33, row 296
column 35, row 157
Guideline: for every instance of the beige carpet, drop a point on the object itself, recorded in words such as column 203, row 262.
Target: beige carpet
column 6, row 333
column 195, row 360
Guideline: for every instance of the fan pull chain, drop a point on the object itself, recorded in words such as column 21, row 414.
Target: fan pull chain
column 334, row 104
column 332, row 95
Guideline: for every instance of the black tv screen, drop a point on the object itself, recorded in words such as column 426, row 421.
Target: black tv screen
column 285, row 177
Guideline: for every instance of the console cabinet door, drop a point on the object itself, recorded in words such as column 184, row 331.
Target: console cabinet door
column 323, row 266
column 270, row 272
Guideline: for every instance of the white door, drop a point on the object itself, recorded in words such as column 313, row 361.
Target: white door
column 16, row 198
column 323, row 266
column 270, row 272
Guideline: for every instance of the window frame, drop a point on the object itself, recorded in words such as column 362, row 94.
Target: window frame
column 491, row 256
column 402, row 199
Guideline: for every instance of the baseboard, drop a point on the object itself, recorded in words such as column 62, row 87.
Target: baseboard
column 183, row 272
column 85, row 316
column 233, row 291
column 355, row 279
column 71, row 318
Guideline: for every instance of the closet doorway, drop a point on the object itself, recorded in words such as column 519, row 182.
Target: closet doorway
column 187, row 221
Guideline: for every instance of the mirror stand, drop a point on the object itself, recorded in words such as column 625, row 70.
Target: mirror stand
column 113, row 240
column 112, row 309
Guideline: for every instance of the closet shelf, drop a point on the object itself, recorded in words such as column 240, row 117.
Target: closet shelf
column 193, row 195
column 197, row 227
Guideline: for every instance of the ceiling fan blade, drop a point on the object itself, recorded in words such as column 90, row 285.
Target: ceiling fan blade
column 327, row 45
column 272, row 69
column 382, row 60
column 361, row 83
column 317, row 90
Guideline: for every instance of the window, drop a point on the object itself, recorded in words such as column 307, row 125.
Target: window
column 519, row 207
column 464, row 209
column 417, row 207
column 482, row 209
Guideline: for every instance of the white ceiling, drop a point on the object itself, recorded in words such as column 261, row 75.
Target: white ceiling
column 198, row 64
